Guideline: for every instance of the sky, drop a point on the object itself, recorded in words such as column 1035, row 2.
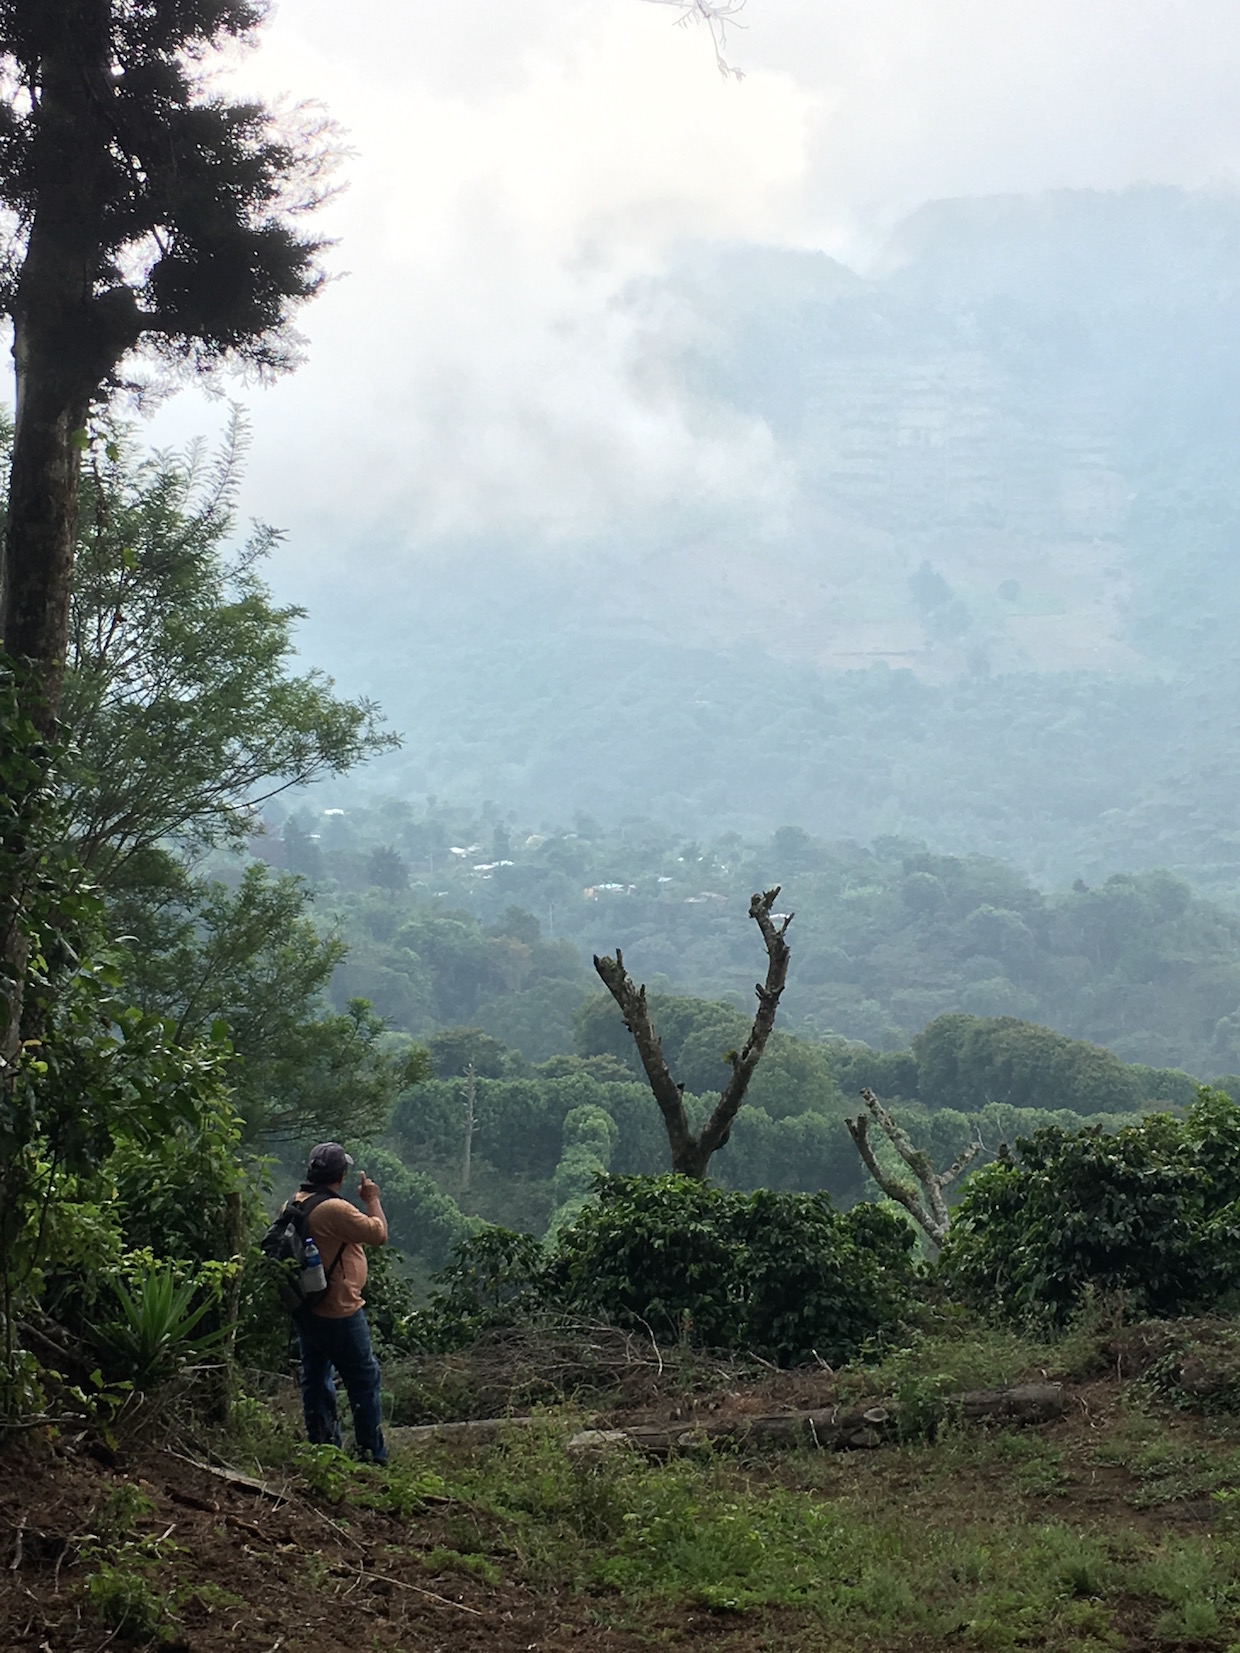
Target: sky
column 518, row 169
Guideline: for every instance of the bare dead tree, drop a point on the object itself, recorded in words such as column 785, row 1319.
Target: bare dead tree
column 691, row 1154
column 717, row 15
column 929, row 1211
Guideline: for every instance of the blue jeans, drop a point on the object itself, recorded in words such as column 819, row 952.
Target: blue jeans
column 344, row 1344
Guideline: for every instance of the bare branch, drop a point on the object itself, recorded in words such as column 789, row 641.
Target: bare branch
column 858, row 1129
column 667, row 1093
column 717, row 15
column 718, row 1127
column 966, row 1156
column 931, row 1215
column 691, row 1154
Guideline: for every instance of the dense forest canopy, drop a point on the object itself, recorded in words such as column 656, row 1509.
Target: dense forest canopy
column 457, row 917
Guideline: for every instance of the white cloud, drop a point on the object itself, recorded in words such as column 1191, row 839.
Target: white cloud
column 518, row 166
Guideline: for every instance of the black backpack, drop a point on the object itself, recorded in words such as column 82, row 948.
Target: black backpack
column 284, row 1246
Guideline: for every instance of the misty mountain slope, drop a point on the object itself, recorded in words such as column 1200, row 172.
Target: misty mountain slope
column 990, row 596
column 1039, row 399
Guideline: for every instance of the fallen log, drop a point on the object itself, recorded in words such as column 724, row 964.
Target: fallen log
column 1024, row 1403
column 830, row 1427
column 836, row 1427
column 820, row 1429
column 473, row 1432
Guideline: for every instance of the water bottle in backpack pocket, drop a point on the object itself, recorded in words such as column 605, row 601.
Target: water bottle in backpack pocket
column 313, row 1277
column 300, row 1278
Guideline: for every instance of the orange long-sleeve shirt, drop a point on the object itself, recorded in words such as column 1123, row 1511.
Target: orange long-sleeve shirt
column 335, row 1223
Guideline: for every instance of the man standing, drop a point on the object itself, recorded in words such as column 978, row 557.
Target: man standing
column 335, row 1332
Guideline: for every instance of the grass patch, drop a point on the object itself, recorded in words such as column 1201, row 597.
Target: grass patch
column 1196, row 1580
column 123, row 1562
column 945, row 1541
column 927, row 1545
column 443, row 1559
column 1036, row 1464
column 1171, row 1465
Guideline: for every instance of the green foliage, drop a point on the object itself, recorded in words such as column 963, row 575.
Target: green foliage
column 495, row 1278
column 519, row 1123
column 105, row 1116
column 127, row 1604
column 779, row 1274
column 1137, row 964
column 387, row 870
column 250, row 959
column 119, row 1586
column 327, row 1470
column 590, row 1138
column 967, row 1061
column 399, row 1489
column 1150, row 1211
column 157, row 1332
column 429, row 969
column 93, row 1072
column 456, row 1049
column 178, row 688
column 171, row 1195
column 422, row 1219
column 659, row 1250
column 426, row 960
column 890, row 1074
column 801, row 1152
column 142, row 1087
column 823, row 1282
column 592, row 1129
column 185, row 718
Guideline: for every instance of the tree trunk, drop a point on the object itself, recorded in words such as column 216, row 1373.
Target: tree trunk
column 38, row 562
column 68, row 336
column 470, row 1099
column 691, row 1154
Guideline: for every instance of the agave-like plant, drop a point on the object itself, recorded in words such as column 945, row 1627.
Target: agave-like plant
column 156, row 1333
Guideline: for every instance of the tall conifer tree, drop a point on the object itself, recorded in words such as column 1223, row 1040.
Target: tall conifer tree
column 144, row 210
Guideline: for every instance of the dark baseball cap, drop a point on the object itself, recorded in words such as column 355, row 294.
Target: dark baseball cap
column 328, row 1163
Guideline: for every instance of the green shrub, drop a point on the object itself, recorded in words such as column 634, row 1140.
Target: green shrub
column 390, row 1308
column 659, row 1251
column 780, row 1274
column 495, row 1278
column 1152, row 1211
column 157, row 1331
column 127, row 1605
column 171, row 1193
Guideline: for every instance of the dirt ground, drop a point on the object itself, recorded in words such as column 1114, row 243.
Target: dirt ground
column 262, row 1571
column 303, row 1576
